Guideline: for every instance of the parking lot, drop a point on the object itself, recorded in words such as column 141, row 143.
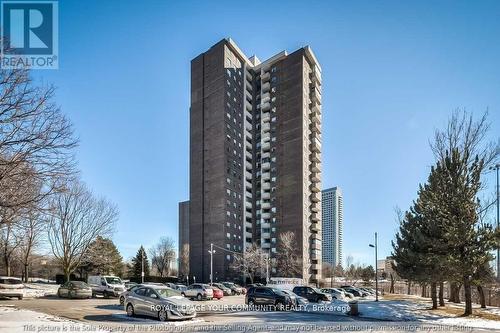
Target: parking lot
column 108, row 313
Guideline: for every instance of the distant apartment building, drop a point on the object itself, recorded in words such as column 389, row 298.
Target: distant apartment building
column 332, row 225
column 183, row 229
column 255, row 157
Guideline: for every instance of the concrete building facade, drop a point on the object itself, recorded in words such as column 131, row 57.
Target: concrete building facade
column 332, row 225
column 183, row 231
column 255, row 157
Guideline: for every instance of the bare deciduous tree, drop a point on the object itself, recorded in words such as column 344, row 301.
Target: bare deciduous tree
column 288, row 260
column 251, row 263
column 31, row 230
column 162, row 255
column 184, row 261
column 36, row 141
column 9, row 241
column 76, row 218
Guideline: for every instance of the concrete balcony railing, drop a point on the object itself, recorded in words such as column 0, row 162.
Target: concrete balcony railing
column 248, row 126
column 315, row 178
column 314, row 209
column 265, row 77
column 266, row 146
column 316, row 245
column 314, row 217
column 266, row 136
column 266, row 127
column 314, row 127
column 266, row 117
column 266, row 186
column 315, row 254
column 314, row 187
column 314, row 197
column 266, row 176
column 315, row 95
column 266, row 235
column 315, row 167
column 265, row 195
column 266, row 87
column 266, row 245
column 315, row 117
column 266, row 205
column 266, row 215
column 315, row 146
column 314, row 227
column 266, row 97
column 265, row 106
column 248, row 204
column 248, row 234
column 248, row 176
column 315, row 107
column 314, row 157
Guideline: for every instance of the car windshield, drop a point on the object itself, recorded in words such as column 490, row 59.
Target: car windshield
column 113, row 280
column 167, row 292
column 278, row 291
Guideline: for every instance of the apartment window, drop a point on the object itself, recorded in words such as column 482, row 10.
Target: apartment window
column 273, row 69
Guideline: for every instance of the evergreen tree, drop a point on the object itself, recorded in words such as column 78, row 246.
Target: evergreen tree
column 102, row 258
column 136, row 267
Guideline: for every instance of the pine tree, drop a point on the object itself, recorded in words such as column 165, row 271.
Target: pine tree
column 136, row 268
column 102, row 257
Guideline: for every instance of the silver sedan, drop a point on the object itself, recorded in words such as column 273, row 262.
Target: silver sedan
column 160, row 302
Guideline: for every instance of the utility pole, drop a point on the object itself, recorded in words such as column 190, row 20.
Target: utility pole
column 211, row 251
column 376, row 262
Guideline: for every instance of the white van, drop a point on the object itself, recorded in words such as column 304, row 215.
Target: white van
column 106, row 285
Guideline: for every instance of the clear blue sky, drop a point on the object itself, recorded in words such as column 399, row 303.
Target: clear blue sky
column 392, row 72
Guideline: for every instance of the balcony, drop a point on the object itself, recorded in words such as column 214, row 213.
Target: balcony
column 315, row 74
column 266, row 235
column 248, row 204
column 266, row 176
column 266, row 97
column 266, row 215
column 314, row 197
column 266, row 136
column 265, row 106
column 314, row 208
column 266, row 186
column 315, row 107
column 315, row 145
column 315, row 167
column 248, row 176
column 266, row 146
column 248, row 234
column 266, row 166
column 314, row 227
column 314, row 178
column 314, row 187
column 315, row 95
column 266, row 87
column 314, row 157
column 266, row 127
column 248, row 95
column 266, row 245
column 248, row 126
column 266, row 205
column 266, row 117
column 265, row 77
column 316, row 245
column 315, row 117
column 315, row 255
column 314, row 218
column 248, row 106
column 266, row 195
column 314, row 127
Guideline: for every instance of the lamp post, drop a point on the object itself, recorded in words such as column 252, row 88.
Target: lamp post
column 495, row 167
column 211, row 251
column 142, row 265
column 376, row 275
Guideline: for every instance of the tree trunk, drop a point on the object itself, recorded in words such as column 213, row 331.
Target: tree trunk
column 409, row 288
column 424, row 289
column 468, row 296
column 457, row 293
column 441, row 293
column 482, row 299
column 434, row 295
column 391, row 290
column 26, row 273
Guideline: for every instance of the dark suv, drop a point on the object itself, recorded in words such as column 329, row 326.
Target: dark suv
column 312, row 294
column 267, row 296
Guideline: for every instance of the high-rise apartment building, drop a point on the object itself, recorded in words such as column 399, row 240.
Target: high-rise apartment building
column 255, row 145
column 183, row 232
column 332, row 225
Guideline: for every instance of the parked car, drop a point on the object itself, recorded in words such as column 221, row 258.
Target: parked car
column 170, row 285
column 160, row 302
column 199, row 291
column 11, row 287
column 180, row 287
column 296, row 299
column 106, row 285
column 336, row 293
column 248, row 286
column 227, row 291
column 129, row 285
column 268, row 296
column 235, row 289
column 218, row 294
column 354, row 291
column 124, row 294
column 312, row 294
column 368, row 291
column 74, row 289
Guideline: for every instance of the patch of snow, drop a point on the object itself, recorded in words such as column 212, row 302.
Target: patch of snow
column 40, row 289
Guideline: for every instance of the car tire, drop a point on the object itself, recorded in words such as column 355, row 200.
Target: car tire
column 199, row 297
column 183, row 295
column 19, row 297
column 162, row 315
column 122, row 300
column 130, row 310
column 105, row 294
column 59, row 294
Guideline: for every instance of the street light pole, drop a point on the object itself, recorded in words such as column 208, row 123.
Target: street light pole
column 142, row 265
column 498, row 248
column 376, row 262
column 212, row 251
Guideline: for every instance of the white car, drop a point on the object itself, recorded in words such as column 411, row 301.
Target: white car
column 199, row 291
column 106, row 285
column 11, row 287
